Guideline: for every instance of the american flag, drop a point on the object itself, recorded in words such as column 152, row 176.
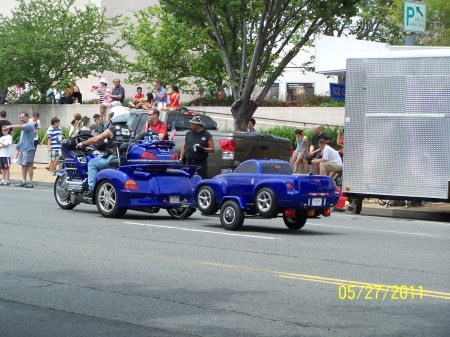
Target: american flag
column 173, row 131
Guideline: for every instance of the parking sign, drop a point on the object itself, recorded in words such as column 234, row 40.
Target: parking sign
column 414, row 17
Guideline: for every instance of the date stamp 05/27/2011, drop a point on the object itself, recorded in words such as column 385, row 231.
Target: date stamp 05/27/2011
column 379, row 292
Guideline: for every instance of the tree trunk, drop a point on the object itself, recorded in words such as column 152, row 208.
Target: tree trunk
column 242, row 113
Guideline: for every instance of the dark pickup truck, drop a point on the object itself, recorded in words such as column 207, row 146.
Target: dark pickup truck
column 232, row 148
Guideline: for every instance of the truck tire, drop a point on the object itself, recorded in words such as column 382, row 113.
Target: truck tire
column 266, row 203
column 206, row 201
column 231, row 216
column 354, row 206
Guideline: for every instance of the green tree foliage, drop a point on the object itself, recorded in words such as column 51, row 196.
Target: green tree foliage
column 256, row 39
column 46, row 42
column 171, row 51
column 382, row 21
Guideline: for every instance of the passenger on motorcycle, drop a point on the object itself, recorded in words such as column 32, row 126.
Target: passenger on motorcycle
column 116, row 134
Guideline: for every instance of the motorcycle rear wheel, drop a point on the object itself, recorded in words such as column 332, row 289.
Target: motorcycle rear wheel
column 107, row 201
column 62, row 197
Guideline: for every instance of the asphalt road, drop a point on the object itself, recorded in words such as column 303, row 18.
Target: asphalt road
column 74, row 273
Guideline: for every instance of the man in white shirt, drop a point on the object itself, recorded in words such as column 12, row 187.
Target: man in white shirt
column 331, row 161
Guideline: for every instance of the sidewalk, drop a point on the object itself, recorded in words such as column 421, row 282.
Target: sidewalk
column 41, row 176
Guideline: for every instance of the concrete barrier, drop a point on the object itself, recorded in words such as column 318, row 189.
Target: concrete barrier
column 266, row 117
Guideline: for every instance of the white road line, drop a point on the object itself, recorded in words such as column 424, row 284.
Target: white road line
column 203, row 231
column 372, row 230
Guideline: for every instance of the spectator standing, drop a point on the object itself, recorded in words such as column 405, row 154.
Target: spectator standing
column 340, row 142
column 25, row 146
column 54, row 147
column 155, row 124
column 5, row 154
column 314, row 150
column 300, row 152
column 330, row 162
column 97, row 127
column 75, row 128
column 3, row 120
column 37, row 128
column 174, row 97
column 161, row 95
column 67, row 99
column 197, row 145
column 251, row 126
column 50, row 96
column 85, row 126
column 58, row 95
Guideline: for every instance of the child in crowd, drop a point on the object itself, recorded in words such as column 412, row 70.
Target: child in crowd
column 95, row 94
column 5, row 154
column 54, row 147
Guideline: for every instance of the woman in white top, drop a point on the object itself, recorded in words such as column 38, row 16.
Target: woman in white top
column 300, row 152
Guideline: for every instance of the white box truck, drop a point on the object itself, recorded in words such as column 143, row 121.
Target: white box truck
column 397, row 127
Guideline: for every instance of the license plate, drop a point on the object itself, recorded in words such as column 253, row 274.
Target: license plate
column 174, row 200
column 316, row 202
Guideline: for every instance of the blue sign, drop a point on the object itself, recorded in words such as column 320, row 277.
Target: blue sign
column 337, row 91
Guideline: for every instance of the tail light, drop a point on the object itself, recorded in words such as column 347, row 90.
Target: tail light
column 148, row 155
column 290, row 186
column 174, row 156
column 130, row 184
column 228, row 148
column 290, row 212
column 326, row 212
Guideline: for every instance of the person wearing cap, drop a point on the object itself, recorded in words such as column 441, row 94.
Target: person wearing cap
column 197, row 146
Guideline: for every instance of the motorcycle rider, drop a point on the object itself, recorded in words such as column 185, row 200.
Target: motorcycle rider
column 116, row 134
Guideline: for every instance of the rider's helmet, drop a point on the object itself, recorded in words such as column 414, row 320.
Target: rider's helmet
column 119, row 114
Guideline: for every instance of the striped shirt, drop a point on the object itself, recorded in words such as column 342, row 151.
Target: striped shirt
column 52, row 134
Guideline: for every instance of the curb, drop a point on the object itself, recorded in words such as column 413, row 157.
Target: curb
column 46, row 184
column 429, row 215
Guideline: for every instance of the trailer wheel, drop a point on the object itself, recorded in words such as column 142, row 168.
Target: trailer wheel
column 231, row 216
column 355, row 205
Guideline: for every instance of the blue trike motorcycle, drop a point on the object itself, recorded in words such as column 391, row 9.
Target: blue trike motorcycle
column 147, row 177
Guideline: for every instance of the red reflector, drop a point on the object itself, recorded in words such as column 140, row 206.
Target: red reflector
column 290, row 212
column 148, row 155
column 290, row 187
column 227, row 145
column 317, row 180
column 130, row 185
column 174, row 155
column 326, row 212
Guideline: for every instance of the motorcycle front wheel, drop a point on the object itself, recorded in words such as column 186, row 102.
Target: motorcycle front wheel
column 62, row 196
